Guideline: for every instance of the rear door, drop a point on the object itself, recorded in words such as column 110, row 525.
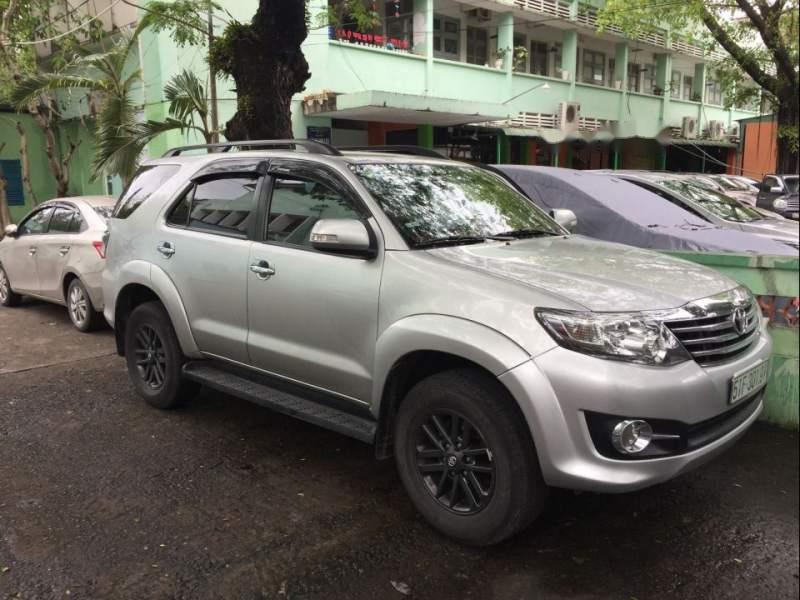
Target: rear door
column 21, row 259
column 54, row 250
column 204, row 248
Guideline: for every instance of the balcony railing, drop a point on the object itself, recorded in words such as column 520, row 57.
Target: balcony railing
column 545, row 7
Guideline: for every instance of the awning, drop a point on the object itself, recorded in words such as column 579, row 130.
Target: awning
column 389, row 107
column 556, row 136
column 699, row 142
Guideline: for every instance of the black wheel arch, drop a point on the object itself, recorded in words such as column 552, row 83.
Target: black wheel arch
column 129, row 297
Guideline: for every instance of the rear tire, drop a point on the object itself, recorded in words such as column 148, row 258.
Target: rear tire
column 466, row 457
column 8, row 297
column 80, row 308
column 154, row 358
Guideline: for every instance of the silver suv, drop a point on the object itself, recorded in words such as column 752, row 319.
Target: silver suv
column 427, row 307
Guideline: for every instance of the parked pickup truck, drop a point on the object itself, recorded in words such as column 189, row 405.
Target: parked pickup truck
column 427, row 307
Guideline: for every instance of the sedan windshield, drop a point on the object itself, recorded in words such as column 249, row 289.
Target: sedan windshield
column 717, row 204
column 791, row 184
column 105, row 212
column 452, row 204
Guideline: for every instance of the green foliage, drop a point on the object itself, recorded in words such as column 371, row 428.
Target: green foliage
column 186, row 20
column 351, row 12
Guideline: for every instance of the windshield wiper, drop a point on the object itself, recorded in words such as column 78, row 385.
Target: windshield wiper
column 524, row 233
column 450, row 240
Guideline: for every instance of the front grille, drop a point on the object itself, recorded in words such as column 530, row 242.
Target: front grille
column 792, row 203
column 715, row 338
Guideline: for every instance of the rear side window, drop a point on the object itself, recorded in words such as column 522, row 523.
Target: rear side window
column 223, row 206
column 146, row 181
column 63, row 220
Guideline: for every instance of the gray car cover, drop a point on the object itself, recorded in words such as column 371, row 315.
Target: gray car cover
column 614, row 210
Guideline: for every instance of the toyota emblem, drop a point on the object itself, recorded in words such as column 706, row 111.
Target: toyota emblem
column 739, row 318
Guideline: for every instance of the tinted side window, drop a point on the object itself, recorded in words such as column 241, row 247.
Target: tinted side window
column 771, row 182
column 78, row 224
column 144, row 184
column 223, row 206
column 37, row 223
column 297, row 204
column 62, row 220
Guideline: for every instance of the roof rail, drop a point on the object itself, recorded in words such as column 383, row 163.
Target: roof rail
column 396, row 149
column 309, row 145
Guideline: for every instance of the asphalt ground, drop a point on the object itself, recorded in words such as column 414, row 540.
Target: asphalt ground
column 104, row 497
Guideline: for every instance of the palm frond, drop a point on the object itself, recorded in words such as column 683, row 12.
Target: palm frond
column 30, row 88
column 187, row 96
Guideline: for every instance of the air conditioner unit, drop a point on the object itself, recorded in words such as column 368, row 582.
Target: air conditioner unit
column 569, row 115
column 716, row 130
column 733, row 132
column 481, row 14
column 689, row 128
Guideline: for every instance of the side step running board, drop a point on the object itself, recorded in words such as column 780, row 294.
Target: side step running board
column 360, row 428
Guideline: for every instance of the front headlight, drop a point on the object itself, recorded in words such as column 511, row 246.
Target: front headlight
column 632, row 337
column 779, row 203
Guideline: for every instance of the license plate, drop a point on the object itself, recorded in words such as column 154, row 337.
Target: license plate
column 746, row 382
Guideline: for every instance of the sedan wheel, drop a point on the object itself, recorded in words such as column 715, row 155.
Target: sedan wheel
column 7, row 296
column 80, row 307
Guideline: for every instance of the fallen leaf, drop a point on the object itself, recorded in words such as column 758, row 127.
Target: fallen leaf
column 5, row 569
column 578, row 560
column 401, row 587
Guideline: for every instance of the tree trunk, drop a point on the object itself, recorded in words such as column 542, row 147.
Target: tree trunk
column 266, row 62
column 787, row 114
column 5, row 212
column 25, row 164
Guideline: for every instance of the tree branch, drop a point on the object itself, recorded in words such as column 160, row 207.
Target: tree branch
column 766, row 21
column 745, row 60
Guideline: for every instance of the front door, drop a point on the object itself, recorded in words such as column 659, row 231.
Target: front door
column 314, row 320
column 204, row 247
column 21, row 260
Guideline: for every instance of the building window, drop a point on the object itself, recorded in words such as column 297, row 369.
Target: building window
column 648, row 79
column 688, row 87
column 399, row 24
column 445, row 37
column 539, row 58
column 594, row 67
column 477, row 46
column 11, row 173
column 634, row 77
column 714, row 93
column 675, row 85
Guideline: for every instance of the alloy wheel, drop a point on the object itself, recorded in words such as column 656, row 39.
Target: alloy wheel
column 5, row 288
column 151, row 358
column 455, row 463
column 78, row 305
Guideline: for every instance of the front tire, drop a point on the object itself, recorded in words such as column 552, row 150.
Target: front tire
column 154, row 358
column 7, row 297
column 466, row 457
column 80, row 308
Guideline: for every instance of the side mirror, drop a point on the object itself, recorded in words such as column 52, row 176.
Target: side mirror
column 11, row 231
column 344, row 236
column 566, row 218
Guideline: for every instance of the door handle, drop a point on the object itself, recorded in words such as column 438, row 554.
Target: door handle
column 31, row 251
column 262, row 269
column 166, row 249
column 63, row 250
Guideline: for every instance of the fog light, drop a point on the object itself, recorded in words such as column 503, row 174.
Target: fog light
column 631, row 437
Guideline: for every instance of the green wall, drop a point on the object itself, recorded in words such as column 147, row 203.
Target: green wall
column 44, row 185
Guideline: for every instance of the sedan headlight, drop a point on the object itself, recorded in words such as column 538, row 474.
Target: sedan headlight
column 632, row 337
column 779, row 203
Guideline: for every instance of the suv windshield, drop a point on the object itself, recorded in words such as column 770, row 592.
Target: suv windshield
column 714, row 202
column 791, row 184
column 451, row 204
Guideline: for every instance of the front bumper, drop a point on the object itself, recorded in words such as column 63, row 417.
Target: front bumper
column 557, row 388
